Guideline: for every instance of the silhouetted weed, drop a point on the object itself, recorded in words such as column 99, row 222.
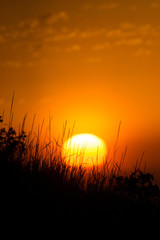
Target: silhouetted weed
column 39, row 179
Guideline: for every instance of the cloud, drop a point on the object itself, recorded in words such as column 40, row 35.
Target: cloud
column 102, row 46
column 120, row 33
column 48, row 33
column 73, row 48
column 129, row 42
column 142, row 52
column 114, row 33
column 29, row 24
column 94, row 60
column 56, row 17
column 144, row 29
column 46, row 19
column 107, row 6
column 13, row 64
column 29, row 64
column 154, row 5
column 129, row 34
column 50, row 19
column 2, row 40
column 128, row 29
column 127, row 26
column 64, row 36
column 34, row 23
column 125, row 29
column 133, row 8
column 87, row 6
column 149, row 42
column 73, row 34
column 92, row 33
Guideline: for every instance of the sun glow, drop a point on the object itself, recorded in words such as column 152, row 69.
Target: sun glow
column 85, row 149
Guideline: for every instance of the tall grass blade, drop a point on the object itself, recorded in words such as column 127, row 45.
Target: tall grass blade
column 11, row 110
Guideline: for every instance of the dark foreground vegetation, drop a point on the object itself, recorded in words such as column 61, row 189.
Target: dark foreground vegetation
column 36, row 182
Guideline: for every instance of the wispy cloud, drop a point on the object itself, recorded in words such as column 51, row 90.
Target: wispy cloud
column 99, row 6
column 31, row 23
column 94, row 60
column 46, row 19
column 129, row 42
column 18, row 64
column 101, row 46
column 128, row 29
column 145, row 29
column 120, row 33
column 49, row 33
column 133, row 8
column 129, row 34
column 155, row 5
column 13, row 64
column 127, row 26
column 57, row 37
column 52, row 18
column 149, row 42
column 73, row 48
column 2, row 40
column 107, row 6
column 92, row 33
column 142, row 52
column 87, row 6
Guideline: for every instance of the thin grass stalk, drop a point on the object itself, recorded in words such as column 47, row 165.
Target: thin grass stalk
column 11, row 110
column 116, row 142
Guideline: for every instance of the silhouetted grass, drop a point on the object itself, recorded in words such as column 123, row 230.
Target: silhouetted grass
column 37, row 181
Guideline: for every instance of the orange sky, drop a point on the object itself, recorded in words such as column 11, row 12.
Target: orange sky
column 93, row 62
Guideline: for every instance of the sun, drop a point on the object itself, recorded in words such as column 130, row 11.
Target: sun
column 84, row 149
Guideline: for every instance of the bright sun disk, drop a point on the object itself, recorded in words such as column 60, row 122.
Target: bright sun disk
column 85, row 149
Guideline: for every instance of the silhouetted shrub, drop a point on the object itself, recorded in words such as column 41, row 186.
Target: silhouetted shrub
column 12, row 146
column 47, row 183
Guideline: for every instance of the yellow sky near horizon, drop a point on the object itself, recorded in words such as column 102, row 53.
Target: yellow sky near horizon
column 93, row 62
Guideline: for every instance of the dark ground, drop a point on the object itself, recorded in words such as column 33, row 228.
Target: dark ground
column 43, row 192
column 38, row 195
